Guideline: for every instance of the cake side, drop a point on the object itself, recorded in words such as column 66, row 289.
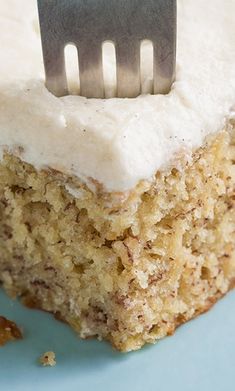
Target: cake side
column 128, row 267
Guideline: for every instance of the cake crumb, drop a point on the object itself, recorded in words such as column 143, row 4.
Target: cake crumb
column 48, row 359
column 9, row 331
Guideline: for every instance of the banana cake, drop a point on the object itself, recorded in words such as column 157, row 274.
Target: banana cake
column 118, row 215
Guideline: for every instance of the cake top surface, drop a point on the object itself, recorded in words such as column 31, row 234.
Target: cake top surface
column 117, row 142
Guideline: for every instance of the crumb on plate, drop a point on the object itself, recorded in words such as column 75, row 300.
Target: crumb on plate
column 48, row 359
column 9, row 331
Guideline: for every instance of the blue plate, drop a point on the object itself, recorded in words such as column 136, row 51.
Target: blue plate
column 199, row 357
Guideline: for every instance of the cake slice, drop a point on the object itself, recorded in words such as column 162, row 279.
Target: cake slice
column 118, row 215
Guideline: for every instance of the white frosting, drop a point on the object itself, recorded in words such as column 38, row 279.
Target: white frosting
column 117, row 141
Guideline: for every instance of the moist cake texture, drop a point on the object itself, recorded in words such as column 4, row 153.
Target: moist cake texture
column 128, row 267
column 118, row 215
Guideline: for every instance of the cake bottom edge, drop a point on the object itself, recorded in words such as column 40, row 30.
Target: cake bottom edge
column 32, row 303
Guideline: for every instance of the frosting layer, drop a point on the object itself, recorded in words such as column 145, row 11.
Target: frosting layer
column 117, row 142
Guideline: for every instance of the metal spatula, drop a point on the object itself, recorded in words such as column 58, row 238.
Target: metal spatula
column 89, row 23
